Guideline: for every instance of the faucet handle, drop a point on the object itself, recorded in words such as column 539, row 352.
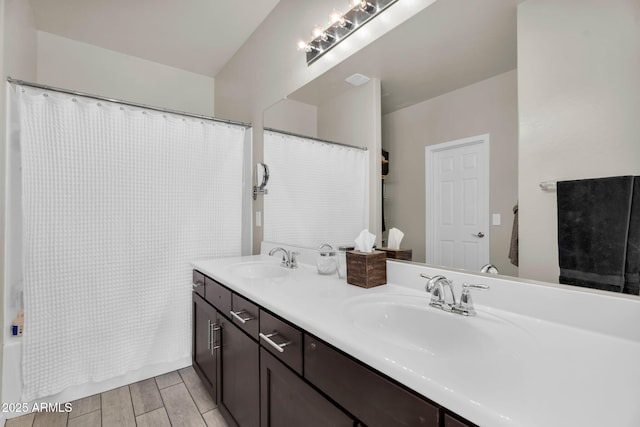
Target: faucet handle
column 293, row 262
column 465, row 306
column 467, row 286
column 432, row 280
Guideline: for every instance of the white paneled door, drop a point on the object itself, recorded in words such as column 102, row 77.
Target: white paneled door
column 457, row 197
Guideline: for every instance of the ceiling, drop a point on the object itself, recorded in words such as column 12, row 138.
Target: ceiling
column 199, row 36
column 446, row 46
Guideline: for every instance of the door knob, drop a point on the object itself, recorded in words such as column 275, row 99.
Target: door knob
column 480, row 235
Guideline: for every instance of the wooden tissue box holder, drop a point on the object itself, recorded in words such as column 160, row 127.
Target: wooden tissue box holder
column 404, row 254
column 366, row 269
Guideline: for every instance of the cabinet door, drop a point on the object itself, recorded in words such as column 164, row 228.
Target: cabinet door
column 370, row 397
column 287, row 400
column 205, row 336
column 240, row 376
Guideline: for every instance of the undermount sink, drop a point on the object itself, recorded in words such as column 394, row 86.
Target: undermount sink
column 408, row 321
column 258, row 270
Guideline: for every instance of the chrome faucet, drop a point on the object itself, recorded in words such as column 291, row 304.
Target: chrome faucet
column 443, row 296
column 288, row 258
column 441, row 290
column 489, row 268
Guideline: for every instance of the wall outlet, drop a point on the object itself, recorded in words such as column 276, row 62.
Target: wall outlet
column 258, row 219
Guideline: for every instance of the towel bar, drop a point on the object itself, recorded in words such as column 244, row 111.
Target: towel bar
column 548, row 186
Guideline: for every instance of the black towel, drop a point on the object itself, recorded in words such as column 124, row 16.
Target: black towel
column 632, row 270
column 593, row 226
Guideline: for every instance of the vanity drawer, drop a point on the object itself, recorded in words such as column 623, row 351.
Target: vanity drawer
column 372, row 398
column 282, row 340
column 245, row 314
column 218, row 296
column 450, row 421
column 198, row 283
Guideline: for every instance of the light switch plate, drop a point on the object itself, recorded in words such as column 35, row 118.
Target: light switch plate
column 496, row 219
column 258, row 219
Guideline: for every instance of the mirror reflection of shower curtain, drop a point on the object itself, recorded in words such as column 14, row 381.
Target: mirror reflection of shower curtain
column 318, row 192
column 116, row 201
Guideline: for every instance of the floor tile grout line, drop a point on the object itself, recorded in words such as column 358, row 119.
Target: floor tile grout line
column 101, row 396
column 151, row 410
column 163, row 405
column 190, row 394
column 133, row 409
column 91, row 412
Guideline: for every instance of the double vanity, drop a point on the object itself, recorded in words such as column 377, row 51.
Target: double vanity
column 281, row 347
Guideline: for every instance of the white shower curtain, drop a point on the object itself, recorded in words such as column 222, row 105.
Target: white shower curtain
column 116, row 201
column 318, row 192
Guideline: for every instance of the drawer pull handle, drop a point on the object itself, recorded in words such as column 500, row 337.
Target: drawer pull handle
column 196, row 284
column 239, row 318
column 267, row 338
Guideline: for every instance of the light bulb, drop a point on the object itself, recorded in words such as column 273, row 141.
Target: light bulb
column 335, row 16
column 303, row 46
column 317, row 31
column 363, row 5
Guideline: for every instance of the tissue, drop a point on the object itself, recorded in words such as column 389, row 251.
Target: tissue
column 395, row 237
column 365, row 241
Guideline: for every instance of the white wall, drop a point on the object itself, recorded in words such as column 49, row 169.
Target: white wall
column 86, row 68
column 337, row 122
column 18, row 59
column 579, row 109
column 268, row 67
column 292, row 116
column 489, row 106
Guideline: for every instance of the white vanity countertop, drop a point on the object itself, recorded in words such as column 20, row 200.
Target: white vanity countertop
column 531, row 372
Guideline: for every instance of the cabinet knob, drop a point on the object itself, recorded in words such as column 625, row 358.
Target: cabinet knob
column 312, row 346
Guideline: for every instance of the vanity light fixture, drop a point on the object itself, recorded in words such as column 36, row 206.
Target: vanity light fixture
column 363, row 5
column 340, row 26
column 336, row 17
column 320, row 33
column 305, row 47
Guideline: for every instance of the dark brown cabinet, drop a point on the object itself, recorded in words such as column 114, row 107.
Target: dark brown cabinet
column 283, row 340
column 450, row 421
column 287, row 400
column 198, row 283
column 373, row 399
column 206, row 328
column 217, row 295
column 239, row 394
column 263, row 371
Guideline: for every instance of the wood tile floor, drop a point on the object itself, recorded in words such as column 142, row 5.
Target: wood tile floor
column 174, row 399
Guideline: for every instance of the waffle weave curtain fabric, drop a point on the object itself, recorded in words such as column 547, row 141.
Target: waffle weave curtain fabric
column 116, row 201
column 317, row 191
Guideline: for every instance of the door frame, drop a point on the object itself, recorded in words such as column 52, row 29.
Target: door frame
column 483, row 141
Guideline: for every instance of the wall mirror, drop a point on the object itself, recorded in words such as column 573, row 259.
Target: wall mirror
column 446, row 75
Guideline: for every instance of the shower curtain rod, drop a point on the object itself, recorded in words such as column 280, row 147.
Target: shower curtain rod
column 315, row 139
column 119, row 101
